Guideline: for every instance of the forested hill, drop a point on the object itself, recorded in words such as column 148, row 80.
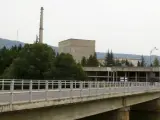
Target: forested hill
column 9, row 43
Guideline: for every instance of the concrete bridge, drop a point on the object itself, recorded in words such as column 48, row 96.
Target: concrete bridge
column 71, row 100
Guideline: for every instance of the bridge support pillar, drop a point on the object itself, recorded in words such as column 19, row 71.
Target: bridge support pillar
column 123, row 113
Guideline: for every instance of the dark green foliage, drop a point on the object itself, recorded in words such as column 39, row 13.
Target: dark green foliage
column 156, row 62
column 66, row 68
column 112, row 61
column 92, row 61
column 138, row 64
column 143, row 64
column 7, row 56
column 80, row 74
column 35, row 61
column 126, row 62
column 109, row 59
column 84, row 61
column 39, row 61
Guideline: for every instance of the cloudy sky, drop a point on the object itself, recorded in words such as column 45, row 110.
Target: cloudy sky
column 125, row 26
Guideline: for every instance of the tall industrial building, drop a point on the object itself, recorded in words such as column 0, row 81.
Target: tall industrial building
column 41, row 26
column 77, row 48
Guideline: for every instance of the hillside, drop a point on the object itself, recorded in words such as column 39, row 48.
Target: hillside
column 10, row 43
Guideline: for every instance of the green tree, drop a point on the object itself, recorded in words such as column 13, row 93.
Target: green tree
column 35, row 61
column 7, row 56
column 138, row 64
column 39, row 61
column 92, row 61
column 80, row 74
column 156, row 62
column 84, row 61
column 66, row 68
column 3, row 59
column 112, row 61
column 127, row 63
column 95, row 60
column 143, row 64
column 109, row 59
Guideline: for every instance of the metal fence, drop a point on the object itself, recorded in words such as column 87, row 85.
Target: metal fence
column 12, row 91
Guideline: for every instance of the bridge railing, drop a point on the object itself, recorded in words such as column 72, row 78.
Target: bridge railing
column 13, row 91
column 7, row 84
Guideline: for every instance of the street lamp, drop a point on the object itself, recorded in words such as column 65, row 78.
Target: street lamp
column 151, row 53
column 150, row 60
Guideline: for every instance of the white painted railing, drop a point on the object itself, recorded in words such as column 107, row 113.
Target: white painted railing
column 13, row 91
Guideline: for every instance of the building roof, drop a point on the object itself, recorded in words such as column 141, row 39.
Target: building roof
column 70, row 39
column 127, row 69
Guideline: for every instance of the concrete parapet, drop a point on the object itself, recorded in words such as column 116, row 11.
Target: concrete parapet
column 80, row 109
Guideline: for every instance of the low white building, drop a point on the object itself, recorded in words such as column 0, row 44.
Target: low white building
column 133, row 61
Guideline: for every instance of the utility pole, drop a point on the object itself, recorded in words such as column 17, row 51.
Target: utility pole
column 151, row 53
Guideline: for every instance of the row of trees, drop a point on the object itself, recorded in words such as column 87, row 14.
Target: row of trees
column 38, row 61
column 109, row 61
column 155, row 62
column 142, row 63
column 92, row 61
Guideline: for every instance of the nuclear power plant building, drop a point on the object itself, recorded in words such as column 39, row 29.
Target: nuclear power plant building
column 77, row 48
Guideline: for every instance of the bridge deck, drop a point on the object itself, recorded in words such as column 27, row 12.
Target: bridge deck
column 18, row 91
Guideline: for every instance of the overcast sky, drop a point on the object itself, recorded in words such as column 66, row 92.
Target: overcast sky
column 125, row 26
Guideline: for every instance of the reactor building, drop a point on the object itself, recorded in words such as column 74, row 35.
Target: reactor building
column 77, row 48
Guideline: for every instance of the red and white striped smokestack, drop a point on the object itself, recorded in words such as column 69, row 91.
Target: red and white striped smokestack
column 41, row 27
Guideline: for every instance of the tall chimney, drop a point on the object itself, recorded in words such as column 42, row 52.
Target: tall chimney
column 41, row 27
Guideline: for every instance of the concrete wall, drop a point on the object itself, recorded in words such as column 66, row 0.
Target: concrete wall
column 79, row 110
column 77, row 48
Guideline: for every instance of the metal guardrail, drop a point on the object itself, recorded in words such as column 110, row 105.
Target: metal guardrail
column 13, row 91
